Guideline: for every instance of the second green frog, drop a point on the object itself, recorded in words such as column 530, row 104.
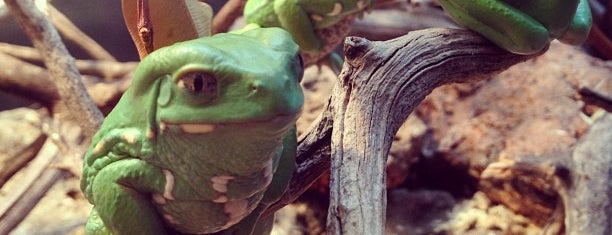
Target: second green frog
column 524, row 26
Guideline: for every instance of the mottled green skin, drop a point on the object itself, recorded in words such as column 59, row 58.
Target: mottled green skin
column 148, row 173
column 524, row 26
column 302, row 17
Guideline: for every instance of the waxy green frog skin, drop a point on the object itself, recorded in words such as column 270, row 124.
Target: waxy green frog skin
column 202, row 142
column 523, row 26
column 301, row 18
column 317, row 26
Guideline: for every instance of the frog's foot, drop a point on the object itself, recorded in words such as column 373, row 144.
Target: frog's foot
column 504, row 25
column 122, row 198
column 94, row 225
column 116, row 145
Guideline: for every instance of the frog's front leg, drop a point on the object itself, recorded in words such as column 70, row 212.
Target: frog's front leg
column 504, row 25
column 122, row 196
column 298, row 23
column 120, row 184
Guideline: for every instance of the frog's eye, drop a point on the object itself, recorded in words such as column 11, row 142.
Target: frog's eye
column 198, row 82
column 299, row 67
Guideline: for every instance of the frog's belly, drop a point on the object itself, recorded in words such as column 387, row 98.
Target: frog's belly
column 196, row 217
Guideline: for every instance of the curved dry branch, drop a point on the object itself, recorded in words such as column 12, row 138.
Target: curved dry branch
column 380, row 85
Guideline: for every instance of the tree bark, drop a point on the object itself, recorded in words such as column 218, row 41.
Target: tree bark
column 379, row 86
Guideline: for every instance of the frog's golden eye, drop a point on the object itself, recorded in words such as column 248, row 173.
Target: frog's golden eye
column 299, row 67
column 198, row 82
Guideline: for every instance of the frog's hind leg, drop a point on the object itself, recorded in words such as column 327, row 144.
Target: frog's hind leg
column 122, row 198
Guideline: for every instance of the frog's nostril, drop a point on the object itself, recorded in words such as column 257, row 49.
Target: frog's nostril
column 253, row 88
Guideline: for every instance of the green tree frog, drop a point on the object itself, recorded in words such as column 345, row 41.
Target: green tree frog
column 523, row 26
column 202, row 142
column 316, row 25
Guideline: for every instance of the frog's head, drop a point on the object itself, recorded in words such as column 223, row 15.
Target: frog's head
column 207, row 84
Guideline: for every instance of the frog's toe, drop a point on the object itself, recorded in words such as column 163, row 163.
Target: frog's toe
column 95, row 226
column 579, row 29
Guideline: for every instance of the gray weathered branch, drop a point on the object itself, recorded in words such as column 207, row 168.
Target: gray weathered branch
column 380, row 85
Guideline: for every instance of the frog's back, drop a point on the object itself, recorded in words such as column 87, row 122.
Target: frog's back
column 261, row 12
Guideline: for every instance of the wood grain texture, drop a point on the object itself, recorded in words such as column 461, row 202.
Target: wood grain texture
column 379, row 86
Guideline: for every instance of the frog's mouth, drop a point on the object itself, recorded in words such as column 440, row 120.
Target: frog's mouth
column 197, row 128
column 277, row 123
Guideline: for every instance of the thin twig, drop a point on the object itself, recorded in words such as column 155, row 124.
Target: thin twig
column 224, row 19
column 33, row 82
column 105, row 69
column 22, row 199
column 60, row 64
column 21, row 52
column 100, row 68
column 78, row 37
